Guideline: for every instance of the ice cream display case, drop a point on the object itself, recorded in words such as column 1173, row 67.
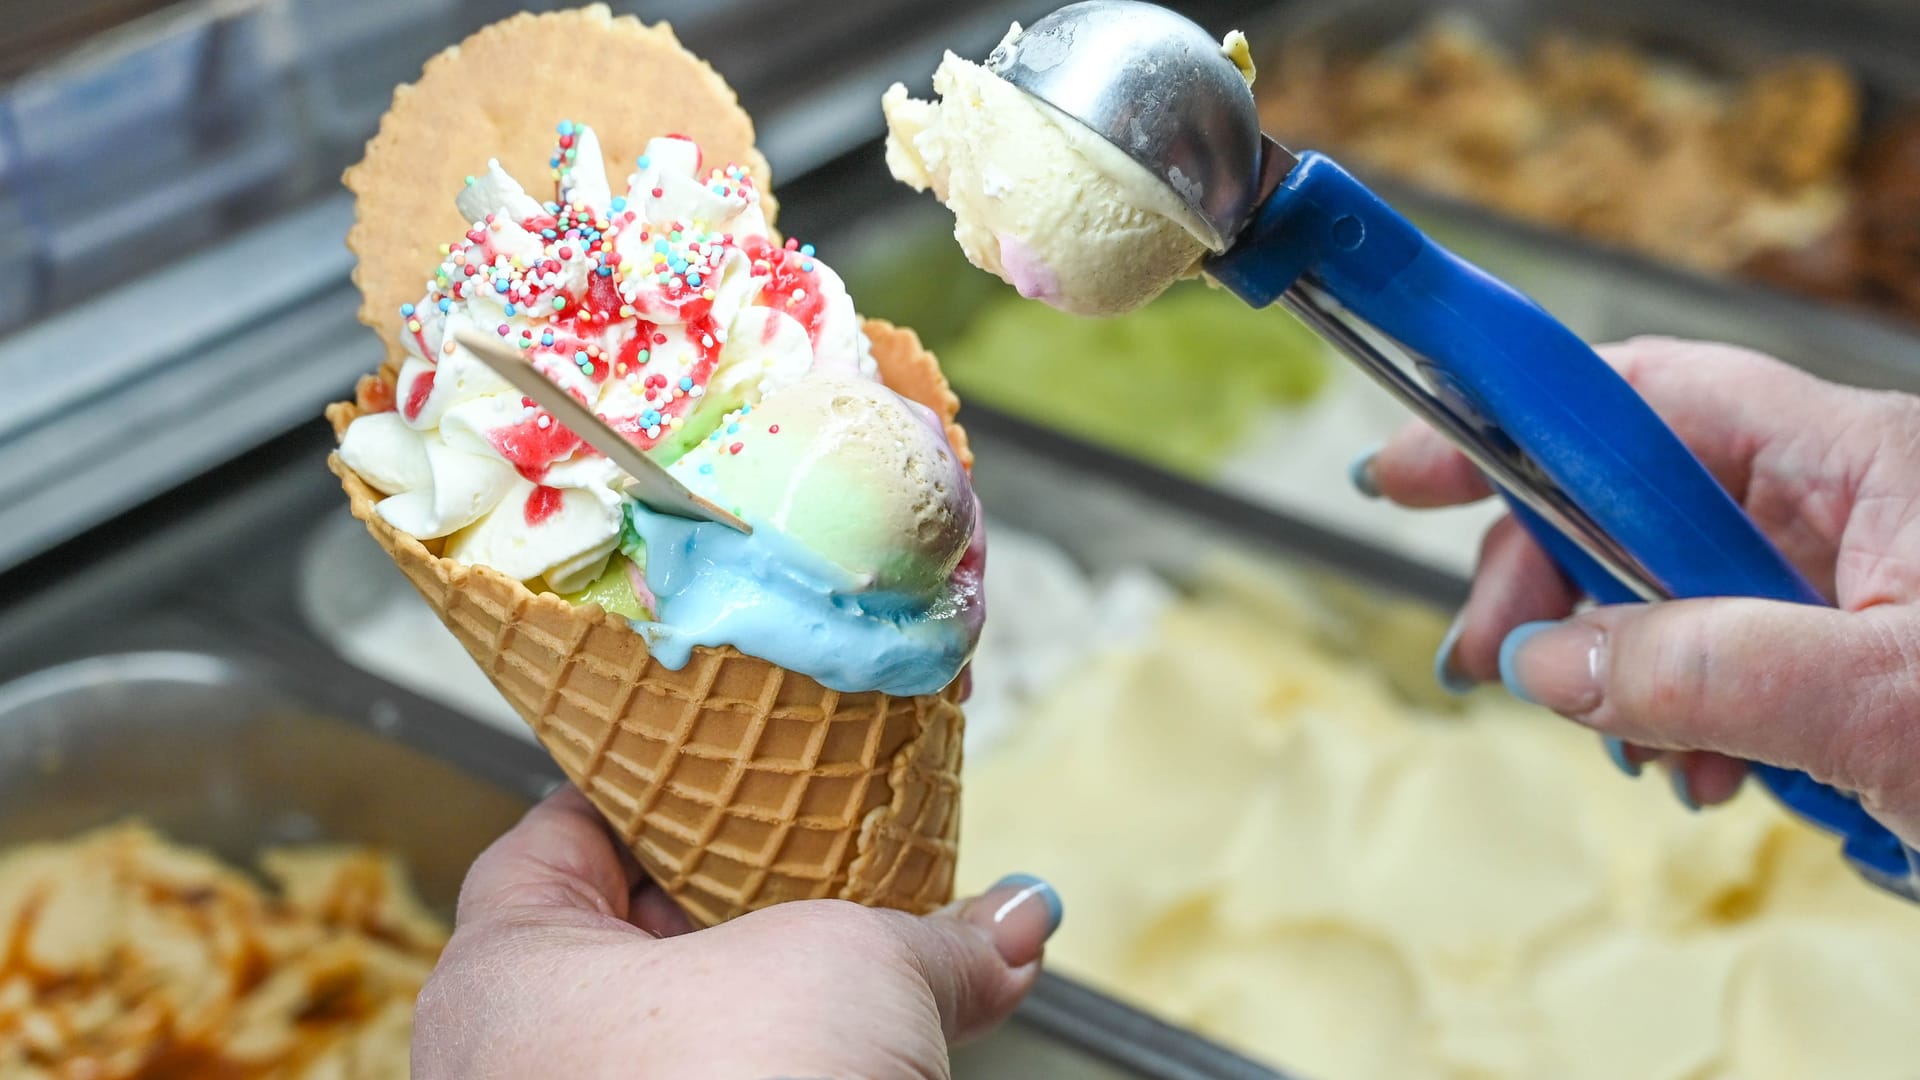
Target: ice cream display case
column 225, row 718
column 1760, row 145
column 1203, row 704
column 1333, row 874
column 1257, row 673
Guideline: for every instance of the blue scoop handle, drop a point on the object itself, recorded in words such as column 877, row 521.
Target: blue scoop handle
column 1492, row 353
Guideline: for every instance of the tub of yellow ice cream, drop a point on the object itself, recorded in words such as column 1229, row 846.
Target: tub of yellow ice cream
column 1269, row 827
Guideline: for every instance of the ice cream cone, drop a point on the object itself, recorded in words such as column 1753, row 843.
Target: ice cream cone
column 736, row 783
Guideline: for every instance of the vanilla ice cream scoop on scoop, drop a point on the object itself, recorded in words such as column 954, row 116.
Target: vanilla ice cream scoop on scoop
column 1039, row 199
column 737, row 361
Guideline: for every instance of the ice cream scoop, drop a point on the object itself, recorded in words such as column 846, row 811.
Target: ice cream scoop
column 1152, row 84
column 1605, row 487
column 850, row 470
column 863, row 568
column 1055, row 211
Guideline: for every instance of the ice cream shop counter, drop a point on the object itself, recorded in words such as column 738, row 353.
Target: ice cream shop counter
column 1203, row 703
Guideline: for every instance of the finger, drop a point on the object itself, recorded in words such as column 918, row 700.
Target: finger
column 1777, row 445
column 1716, row 778
column 1516, row 582
column 1685, row 382
column 1688, row 384
column 1418, row 468
column 559, row 857
column 652, row 910
column 629, row 864
column 1632, row 760
column 1835, row 694
column 1788, row 447
column 1703, row 778
column 981, row 956
column 1629, row 758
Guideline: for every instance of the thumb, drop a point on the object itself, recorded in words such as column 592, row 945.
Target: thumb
column 1833, row 693
column 554, row 879
column 980, row 956
column 558, row 859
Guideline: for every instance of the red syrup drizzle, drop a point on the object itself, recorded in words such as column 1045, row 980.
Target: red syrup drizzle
column 379, row 396
column 529, row 447
column 542, row 503
column 603, row 296
column 532, row 449
column 417, row 394
column 586, row 325
column 781, row 266
column 703, row 332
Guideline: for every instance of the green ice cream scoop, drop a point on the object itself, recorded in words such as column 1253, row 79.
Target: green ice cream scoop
column 851, row 471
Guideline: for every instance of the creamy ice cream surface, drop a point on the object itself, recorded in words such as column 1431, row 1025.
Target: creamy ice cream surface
column 1354, row 884
column 865, row 567
column 671, row 312
column 1038, row 199
column 851, row 470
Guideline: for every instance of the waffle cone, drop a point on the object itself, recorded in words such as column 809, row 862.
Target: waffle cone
column 736, row 783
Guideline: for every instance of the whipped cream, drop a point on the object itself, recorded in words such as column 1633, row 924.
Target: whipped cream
column 663, row 309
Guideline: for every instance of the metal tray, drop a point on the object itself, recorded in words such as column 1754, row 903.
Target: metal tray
column 1606, row 293
column 234, row 750
column 238, row 747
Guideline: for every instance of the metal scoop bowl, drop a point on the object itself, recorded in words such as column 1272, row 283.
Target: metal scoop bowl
column 1156, row 85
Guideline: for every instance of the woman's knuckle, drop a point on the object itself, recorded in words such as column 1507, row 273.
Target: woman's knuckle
column 1877, row 748
column 854, row 926
column 1660, row 667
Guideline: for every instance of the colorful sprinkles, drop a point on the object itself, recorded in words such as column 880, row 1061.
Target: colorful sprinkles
column 596, row 296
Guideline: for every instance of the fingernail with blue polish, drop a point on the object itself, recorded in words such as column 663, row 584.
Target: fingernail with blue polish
column 1028, row 887
column 1683, row 788
column 1510, row 652
column 1021, row 912
column 1450, row 678
column 1360, row 474
column 1617, row 751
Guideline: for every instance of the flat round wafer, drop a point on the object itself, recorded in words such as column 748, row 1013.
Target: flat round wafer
column 499, row 94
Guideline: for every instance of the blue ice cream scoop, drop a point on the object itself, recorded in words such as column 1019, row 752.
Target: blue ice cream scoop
column 1599, row 480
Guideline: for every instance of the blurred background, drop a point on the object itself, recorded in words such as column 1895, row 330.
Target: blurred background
column 1204, row 702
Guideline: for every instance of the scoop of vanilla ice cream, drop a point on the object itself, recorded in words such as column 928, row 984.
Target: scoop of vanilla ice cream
column 850, row 470
column 1039, row 199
